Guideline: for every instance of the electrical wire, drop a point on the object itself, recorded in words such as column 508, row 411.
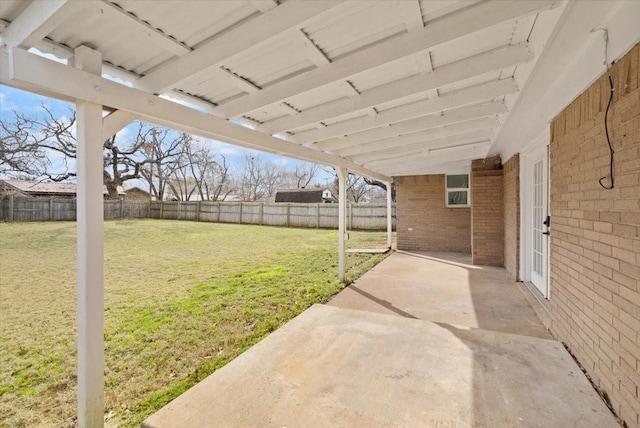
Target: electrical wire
column 606, row 131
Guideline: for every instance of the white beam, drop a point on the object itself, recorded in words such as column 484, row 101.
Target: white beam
column 436, row 167
column 414, row 125
column 421, row 146
column 411, row 13
column 238, row 81
column 473, row 19
column 36, row 21
column 313, row 52
column 24, row 70
column 342, row 221
column 114, row 122
column 463, row 97
column 407, row 87
column 143, row 31
column 264, row 5
column 426, row 158
column 389, row 215
column 90, row 252
column 485, row 124
column 290, row 15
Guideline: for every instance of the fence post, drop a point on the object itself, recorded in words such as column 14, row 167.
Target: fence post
column 218, row 212
column 350, row 215
column 121, row 207
column 149, row 210
column 288, row 214
column 50, row 209
column 261, row 212
column 11, row 205
column 178, row 210
column 240, row 219
column 318, row 215
column 161, row 209
column 198, row 211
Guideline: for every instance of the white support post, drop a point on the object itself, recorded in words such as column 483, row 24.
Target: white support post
column 90, row 214
column 342, row 220
column 389, row 214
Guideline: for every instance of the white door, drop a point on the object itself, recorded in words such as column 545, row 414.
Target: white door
column 539, row 223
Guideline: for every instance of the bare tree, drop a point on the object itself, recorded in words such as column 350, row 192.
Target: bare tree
column 29, row 143
column 302, row 175
column 162, row 152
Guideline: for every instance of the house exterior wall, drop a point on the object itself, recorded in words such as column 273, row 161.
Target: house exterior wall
column 487, row 225
column 595, row 236
column 421, row 207
column 511, row 210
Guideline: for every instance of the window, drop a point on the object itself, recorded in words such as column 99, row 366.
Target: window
column 457, row 192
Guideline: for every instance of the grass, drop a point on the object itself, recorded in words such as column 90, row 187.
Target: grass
column 181, row 300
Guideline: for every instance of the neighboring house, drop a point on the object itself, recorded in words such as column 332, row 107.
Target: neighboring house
column 137, row 194
column 305, row 196
column 38, row 189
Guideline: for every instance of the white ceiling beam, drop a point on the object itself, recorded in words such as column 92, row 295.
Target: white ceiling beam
column 238, row 81
column 407, row 87
column 411, row 141
column 468, row 151
column 463, row 97
column 414, row 125
column 37, row 20
column 472, row 19
column 312, row 51
column 114, row 122
column 430, row 163
column 24, row 70
column 143, row 31
column 64, row 52
column 255, row 33
column 411, row 13
column 264, row 5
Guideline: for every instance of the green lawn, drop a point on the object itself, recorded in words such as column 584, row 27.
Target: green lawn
column 181, row 300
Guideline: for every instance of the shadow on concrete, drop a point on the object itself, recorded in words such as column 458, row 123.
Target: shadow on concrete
column 382, row 303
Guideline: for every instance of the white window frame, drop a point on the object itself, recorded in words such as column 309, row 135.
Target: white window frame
column 457, row 189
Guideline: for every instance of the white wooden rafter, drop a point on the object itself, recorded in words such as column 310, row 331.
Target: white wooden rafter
column 414, row 125
column 407, row 87
column 37, row 20
column 425, row 163
column 144, row 31
column 435, row 148
column 480, row 130
column 312, row 51
column 24, row 70
column 449, row 28
column 460, row 98
column 264, row 5
column 253, row 34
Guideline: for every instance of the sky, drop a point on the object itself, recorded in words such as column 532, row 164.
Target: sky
column 29, row 103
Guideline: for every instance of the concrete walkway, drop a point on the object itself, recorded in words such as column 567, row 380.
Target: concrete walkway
column 422, row 340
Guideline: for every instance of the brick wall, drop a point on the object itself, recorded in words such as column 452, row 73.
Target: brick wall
column 595, row 244
column 487, row 225
column 511, row 209
column 421, row 207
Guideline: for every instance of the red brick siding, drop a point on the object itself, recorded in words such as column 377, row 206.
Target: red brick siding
column 421, row 206
column 487, row 224
column 595, row 239
column 511, row 208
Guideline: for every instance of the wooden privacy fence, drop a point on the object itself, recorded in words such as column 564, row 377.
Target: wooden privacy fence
column 359, row 216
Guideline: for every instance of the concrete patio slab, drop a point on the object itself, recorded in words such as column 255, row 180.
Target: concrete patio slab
column 348, row 368
column 443, row 287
